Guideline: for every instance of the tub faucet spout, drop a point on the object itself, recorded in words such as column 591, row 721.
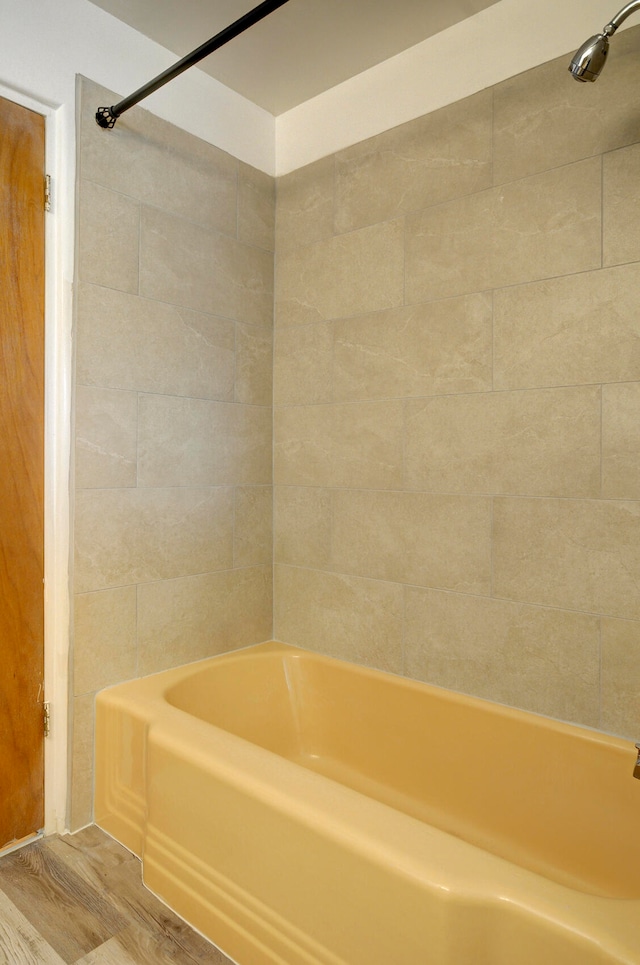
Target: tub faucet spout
column 636, row 769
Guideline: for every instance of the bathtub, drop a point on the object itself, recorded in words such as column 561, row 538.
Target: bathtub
column 302, row 810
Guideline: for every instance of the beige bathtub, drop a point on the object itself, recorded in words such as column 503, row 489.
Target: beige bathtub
column 298, row 809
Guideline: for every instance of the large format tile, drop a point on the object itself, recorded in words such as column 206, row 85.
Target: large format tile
column 421, row 538
column 189, row 619
column 563, row 331
column 104, row 638
column 621, row 440
column 158, row 163
column 362, row 271
column 194, row 267
column 543, row 119
column 439, row 156
column 303, row 364
column 194, row 442
column 106, row 438
column 574, row 554
column 354, row 445
column 342, row 616
column 256, row 207
column 254, row 365
column 621, row 678
column 304, row 209
column 542, row 226
column 81, row 776
column 509, row 652
column 536, row 442
column 302, row 526
column 126, row 342
column 621, row 206
column 430, row 349
column 108, row 238
column 134, row 535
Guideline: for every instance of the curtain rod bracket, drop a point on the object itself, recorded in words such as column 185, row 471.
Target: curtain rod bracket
column 106, row 117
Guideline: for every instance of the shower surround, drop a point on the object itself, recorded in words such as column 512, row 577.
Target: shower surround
column 456, row 401
column 457, row 397
column 174, row 308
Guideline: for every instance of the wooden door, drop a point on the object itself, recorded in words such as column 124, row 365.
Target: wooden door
column 21, row 472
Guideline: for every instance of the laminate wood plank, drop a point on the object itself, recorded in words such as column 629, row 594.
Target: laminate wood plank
column 91, row 853
column 172, row 937
column 111, row 953
column 142, row 947
column 159, row 934
column 70, row 914
column 20, row 943
column 138, row 929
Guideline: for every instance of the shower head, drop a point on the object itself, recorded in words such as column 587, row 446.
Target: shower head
column 588, row 60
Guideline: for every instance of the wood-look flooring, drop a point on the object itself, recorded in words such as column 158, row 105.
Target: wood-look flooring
column 79, row 899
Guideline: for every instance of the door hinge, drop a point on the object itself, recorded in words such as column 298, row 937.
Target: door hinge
column 47, row 192
column 46, row 717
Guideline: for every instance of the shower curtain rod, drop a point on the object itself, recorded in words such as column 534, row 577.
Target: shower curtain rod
column 107, row 116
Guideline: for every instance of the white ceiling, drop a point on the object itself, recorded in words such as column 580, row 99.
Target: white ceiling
column 299, row 50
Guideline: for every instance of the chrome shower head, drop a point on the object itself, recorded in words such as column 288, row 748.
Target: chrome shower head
column 588, row 60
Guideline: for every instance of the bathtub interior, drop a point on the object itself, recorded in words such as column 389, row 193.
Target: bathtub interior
column 536, row 792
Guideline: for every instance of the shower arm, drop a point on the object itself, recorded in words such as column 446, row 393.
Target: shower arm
column 620, row 17
column 107, row 116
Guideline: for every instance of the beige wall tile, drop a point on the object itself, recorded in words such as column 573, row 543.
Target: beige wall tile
column 542, row 226
column 347, row 275
column 194, row 442
column 536, row 442
column 254, row 364
column 355, row 445
column 253, row 525
column 429, row 349
column 106, row 437
column 621, row 440
column 515, row 654
column 580, row 328
column 189, row 619
column 104, row 638
column 303, row 364
column 621, row 678
column 158, row 163
column 342, row 616
column 434, row 158
column 574, row 554
column 127, row 342
column 430, row 540
column 544, row 119
column 621, row 206
column 81, row 803
column 302, row 526
column 194, row 267
column 304, row 209
column 108, row 236
column 128, row 536
column 256, row 207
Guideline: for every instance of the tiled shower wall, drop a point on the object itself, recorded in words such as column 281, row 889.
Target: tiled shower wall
column 173, row 543
column 457, row 397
